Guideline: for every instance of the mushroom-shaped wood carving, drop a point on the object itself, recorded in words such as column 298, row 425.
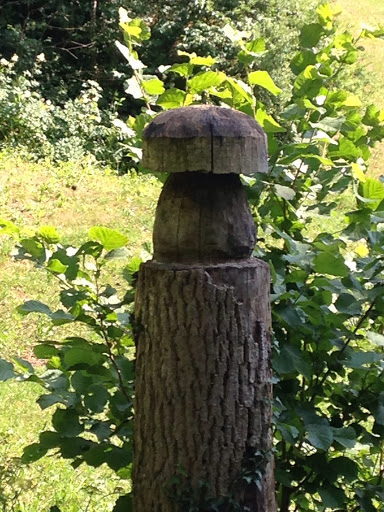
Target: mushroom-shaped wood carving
column 203, row 213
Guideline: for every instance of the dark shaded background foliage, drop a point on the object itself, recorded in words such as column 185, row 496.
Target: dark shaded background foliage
column 77, row 36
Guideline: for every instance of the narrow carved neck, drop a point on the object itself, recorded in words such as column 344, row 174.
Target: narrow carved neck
column 203, row 218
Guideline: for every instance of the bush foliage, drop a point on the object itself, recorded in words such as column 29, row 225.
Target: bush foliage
column 327, row 289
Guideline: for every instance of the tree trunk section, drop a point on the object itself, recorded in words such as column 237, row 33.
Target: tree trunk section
column 203, row 383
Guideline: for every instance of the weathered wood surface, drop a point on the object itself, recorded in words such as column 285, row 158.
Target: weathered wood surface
column 203, row 217
column 203, row 380
column 205, row 139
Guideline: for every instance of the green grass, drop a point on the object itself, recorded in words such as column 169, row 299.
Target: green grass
column 73, row 198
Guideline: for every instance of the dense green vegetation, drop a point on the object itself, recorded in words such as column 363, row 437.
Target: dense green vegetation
column 320, row 224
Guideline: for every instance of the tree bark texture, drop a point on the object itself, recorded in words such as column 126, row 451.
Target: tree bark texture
column 203, row 381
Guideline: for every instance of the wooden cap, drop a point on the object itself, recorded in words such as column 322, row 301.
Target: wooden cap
column 205, row 138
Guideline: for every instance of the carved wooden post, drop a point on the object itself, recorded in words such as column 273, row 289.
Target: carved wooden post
column 203, row 391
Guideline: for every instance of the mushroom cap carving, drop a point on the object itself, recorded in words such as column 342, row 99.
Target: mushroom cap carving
column 205, row 138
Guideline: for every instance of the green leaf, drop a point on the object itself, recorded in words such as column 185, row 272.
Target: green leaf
column 320, row 435
column 345, row 149
column 263, row 79
column 153, row 86
column 373, row 191
column 345, row 468
column 240, row 91
column 267, row 122
column 308, row 82
column 32, row 246
column 66, row 422
column 122, row 252
column 6, row 370
column 171, row 98
column 332, row 264
column 202, row 61
column 285, row 192
column 183, row 69
column 332, row 496
column 97, row 397
column 49, row 234
column 203, row 81
column 301, row 60
column 310, row 35
column 34, row 306
column 56, row 267
column 292, row 359
column 359, row 359
column 47, row 400
column 75, row 356
column 124, row 504
column 345, row 436
column 109, row 238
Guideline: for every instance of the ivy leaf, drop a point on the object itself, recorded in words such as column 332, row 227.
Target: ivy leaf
column 320, row 435
column 263, row 79
column 109, row 238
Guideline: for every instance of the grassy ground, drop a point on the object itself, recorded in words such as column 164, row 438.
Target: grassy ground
column 73, row 197
column 355, row 14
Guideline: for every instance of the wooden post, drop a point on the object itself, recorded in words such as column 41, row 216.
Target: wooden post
column 203, row 380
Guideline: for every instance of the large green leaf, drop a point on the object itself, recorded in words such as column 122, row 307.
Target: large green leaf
column 203, row 81
column 171, row 98
column 66, row 422
column 154, row 86
column 372, row 191
column 49, row 234
column 310, row 35
column 109, row 238
column 76, row 356
column 264, row 79
column 332, row 264
column 346, row 436
column 320, row 435
column 267, row 122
